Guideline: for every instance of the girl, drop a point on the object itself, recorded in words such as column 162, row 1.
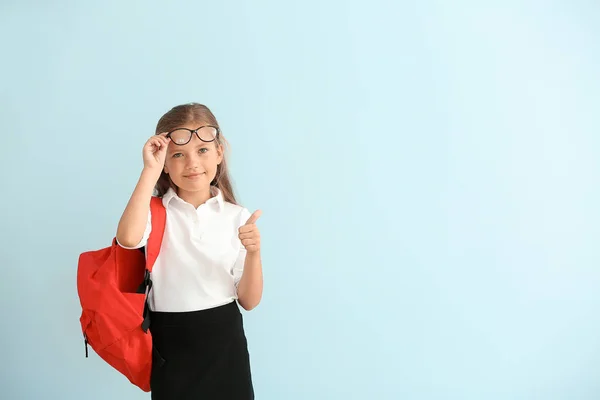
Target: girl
column 209, row 259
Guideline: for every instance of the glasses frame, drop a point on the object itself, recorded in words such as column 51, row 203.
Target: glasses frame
column 192, row 131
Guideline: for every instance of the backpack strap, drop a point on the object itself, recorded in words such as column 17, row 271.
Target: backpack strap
column 159, row 218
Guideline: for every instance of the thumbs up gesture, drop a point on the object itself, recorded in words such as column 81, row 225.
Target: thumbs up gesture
column 249, row 234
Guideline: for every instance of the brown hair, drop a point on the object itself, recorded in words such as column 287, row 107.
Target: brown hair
column 198, row 113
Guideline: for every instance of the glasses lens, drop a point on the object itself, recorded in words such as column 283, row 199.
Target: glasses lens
column 207, row 133
column 180, row 136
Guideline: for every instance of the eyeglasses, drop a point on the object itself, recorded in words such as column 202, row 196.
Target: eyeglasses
column 182, row 136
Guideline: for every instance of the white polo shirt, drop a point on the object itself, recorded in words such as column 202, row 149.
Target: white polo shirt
column 201, row 258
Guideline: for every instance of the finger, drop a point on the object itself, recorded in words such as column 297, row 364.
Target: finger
column 254, row 217
column 162, row 138
column 248, row 228
column 160, row 143
column 248, row 235
column 164, row 142
column 160, row 146
column 154, row 144
column 250, row 242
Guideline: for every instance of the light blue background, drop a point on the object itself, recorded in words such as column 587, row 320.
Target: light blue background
column 428, row 174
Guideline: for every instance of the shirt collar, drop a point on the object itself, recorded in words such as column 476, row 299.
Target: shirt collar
column 215, row 192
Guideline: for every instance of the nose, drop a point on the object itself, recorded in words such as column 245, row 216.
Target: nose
column 192, row 162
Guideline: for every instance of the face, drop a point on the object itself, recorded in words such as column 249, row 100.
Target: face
column 193, row 166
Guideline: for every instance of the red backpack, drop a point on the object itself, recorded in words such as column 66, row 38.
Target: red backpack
column 113, row 285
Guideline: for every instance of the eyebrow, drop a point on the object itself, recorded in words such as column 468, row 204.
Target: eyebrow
column 178, row 149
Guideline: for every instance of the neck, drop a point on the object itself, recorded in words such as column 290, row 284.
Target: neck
column 195, row 198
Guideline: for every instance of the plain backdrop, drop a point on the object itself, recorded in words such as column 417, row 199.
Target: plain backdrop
column 428, row 174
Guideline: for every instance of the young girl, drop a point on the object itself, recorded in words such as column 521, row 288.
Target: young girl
column 209, row 259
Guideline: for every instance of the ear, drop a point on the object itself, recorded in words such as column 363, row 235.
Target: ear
column 219, row 153
column 166, row 169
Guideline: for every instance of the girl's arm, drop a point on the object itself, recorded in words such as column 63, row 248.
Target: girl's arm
column 135, row 217
column 250, row 287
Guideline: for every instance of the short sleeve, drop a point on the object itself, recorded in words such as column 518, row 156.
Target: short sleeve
column 238, row 268
column 145, row 237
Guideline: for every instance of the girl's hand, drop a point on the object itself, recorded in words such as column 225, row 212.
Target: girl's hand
column 249, row 234
column 155, row 152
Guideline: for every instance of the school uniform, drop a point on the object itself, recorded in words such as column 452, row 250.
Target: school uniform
column 200, row 348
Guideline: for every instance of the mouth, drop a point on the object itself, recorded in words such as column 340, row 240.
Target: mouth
column 193, row 176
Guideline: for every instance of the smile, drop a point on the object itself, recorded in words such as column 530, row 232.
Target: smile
column 193, row 176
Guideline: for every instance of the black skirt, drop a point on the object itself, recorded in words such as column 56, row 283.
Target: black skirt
column 200, row 355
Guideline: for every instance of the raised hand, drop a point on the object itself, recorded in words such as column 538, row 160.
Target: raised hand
column 249, row 234
column 155, row 152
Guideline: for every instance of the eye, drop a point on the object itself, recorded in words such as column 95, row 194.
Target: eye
column 203, row 150
column 177, row 155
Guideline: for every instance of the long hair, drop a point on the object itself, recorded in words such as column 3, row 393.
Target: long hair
column 200, row 114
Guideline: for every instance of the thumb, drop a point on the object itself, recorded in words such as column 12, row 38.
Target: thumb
column 254, row 217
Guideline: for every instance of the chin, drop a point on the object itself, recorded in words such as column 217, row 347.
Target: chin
column 196, row 186
column 191, row 184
